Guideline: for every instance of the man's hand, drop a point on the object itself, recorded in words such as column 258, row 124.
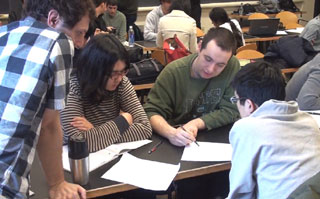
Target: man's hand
column 66, row 190
column 81, row 123
column 179, row 137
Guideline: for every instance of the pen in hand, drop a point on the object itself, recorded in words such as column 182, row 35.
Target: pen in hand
column 155, row 147
column 188, row 132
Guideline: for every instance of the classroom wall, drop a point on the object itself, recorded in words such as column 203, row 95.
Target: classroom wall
column 304, row 5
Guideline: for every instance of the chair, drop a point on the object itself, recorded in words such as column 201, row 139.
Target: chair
column 292, row 26
column 160, row 55
column 251, row 46
column 287, row 17
column 200, row 33
column 249, row 54
column 258, row 15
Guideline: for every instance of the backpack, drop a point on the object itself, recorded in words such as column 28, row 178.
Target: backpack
column 138, row 35
column 288, row 5
column 268, row 6
column 248, row 8
column 174, row 49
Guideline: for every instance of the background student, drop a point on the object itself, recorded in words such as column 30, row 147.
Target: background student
column 180, row 23
column 220, row 18
column 102, row 104
column 152, row 20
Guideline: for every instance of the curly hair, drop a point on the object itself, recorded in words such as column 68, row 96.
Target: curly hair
column 70, row 10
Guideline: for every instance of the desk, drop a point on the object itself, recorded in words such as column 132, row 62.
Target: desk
column 99, row 187
column 147, row 45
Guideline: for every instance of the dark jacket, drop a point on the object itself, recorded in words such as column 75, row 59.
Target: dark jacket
column 290, row 52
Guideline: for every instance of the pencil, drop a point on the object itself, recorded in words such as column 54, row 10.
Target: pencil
column 189, row 132
column 313, row 113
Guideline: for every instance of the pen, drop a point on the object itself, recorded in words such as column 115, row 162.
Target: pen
column 189, row 132
column 155, row 147
column 313, row 113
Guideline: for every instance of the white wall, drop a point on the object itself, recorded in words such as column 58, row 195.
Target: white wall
column 304, row 5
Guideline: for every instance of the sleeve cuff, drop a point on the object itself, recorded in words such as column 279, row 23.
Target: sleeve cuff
column 121, row 123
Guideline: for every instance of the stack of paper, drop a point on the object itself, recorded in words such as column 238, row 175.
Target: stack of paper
column 104, row 156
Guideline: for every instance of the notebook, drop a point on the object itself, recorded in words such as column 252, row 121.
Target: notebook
column 263, row 27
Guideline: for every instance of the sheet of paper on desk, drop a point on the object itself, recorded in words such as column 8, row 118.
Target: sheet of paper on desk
column 146, row 174
column 207, row 151
column 104, row 156
column 281, row 32
column 296, row 30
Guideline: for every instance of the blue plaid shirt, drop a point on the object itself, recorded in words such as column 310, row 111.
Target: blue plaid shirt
column 35, row 64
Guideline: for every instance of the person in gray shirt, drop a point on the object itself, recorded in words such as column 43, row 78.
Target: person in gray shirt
column 312, row 32
column 152, row 20
column 304, row 86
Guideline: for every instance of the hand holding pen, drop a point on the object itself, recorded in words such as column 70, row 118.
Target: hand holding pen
column 181, row 126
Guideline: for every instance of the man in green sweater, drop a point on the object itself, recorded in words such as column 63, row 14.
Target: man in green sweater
column 115, row 20
column 193, row 93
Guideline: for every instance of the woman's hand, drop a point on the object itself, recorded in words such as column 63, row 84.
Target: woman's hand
column 81, row 124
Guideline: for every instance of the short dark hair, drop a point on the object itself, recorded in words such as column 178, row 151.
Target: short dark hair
column 219, row 16
column 95, row 65
column 70, row 10
column 168, row 1
column 223, row 38
column 112, row 2
column 259, row 81
column 99, row 2
column 180, row 5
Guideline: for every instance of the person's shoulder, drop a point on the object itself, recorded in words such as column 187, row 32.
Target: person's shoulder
column 246, row 128
column 120, row 14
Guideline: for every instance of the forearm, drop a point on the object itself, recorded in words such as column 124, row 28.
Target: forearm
column 49, row 149
column 161, row 126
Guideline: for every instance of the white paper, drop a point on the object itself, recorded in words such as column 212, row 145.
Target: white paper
column 104, row 156
column 207, row 151
column 146, row 174
column 296, row 30
column 281, row 32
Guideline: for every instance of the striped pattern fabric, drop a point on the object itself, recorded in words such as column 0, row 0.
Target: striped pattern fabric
column 105, row 131
column 35, row 64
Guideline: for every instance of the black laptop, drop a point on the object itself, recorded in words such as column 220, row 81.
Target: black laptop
column 263, row 27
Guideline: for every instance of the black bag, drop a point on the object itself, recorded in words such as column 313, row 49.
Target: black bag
column 288, row 5
column 135, row 53
column 144, row 71
column 268, row 6
column 248, row 8
column 138, row 35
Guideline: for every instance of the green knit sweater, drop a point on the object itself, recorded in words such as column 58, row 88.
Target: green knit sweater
column 179, row 98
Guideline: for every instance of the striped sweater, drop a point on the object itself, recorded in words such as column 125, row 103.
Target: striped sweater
column 105, row 116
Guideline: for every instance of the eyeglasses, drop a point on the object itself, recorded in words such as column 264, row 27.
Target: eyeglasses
column 115, row 74
column 235, row 99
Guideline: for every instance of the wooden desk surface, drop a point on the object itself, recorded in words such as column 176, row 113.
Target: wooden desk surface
column 147, row 45
column 99, row 187
column 261, row 39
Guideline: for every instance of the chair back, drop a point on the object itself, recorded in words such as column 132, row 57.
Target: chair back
column 200, row 33
column 251, row 46
column 249, row 54
column 287, row 17
column 258, row 15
